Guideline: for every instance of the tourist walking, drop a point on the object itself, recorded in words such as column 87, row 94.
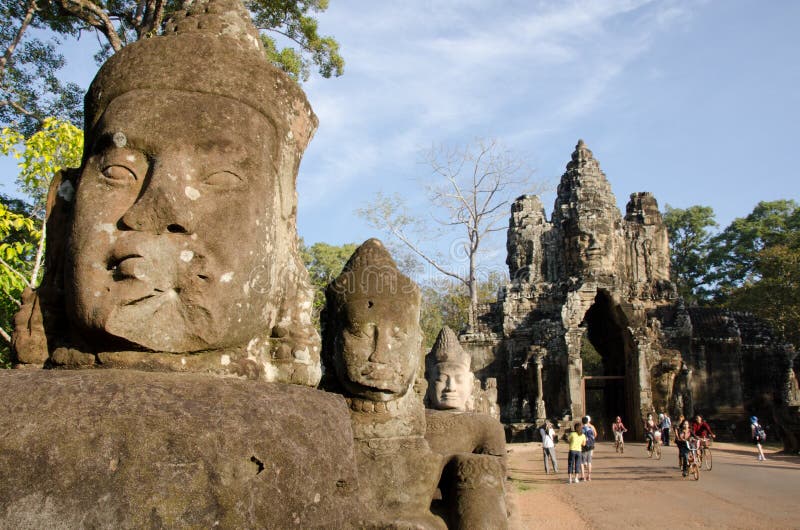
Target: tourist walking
column 758, row 436
column 588, row 449
column 649, row 430
column 576, row 441
column 665, row 424
column 548, row 445
column 618, row 428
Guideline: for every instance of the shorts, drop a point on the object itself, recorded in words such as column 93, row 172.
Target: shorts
column 756, row 440
column 586, row 456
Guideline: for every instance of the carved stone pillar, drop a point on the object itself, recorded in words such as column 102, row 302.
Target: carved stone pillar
column 541, row 413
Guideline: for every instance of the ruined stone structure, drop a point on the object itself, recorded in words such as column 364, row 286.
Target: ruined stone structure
column 591, row 279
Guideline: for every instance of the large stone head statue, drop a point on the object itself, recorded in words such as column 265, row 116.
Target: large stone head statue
column 180, row 236
column 449, row 376
column 371, row 326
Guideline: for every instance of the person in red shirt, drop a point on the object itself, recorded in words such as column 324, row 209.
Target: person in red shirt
column 701, row 429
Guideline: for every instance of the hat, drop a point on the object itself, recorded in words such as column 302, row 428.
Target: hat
column 447, row 349
column 753, row 419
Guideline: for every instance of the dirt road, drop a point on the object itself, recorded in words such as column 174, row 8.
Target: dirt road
column 632, row 491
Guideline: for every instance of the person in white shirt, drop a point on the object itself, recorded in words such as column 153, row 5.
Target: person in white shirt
column 548, row 446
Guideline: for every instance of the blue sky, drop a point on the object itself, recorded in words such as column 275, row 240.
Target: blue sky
column 695, row 101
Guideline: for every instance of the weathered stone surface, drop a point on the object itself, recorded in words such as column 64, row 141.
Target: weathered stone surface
column 129, row 449
column 476, row 483
column 451, row 432
column 371, row 353
column 177, row 235
column 372, row 344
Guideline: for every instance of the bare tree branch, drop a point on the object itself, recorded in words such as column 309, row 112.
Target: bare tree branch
column 15, row 271
column 26, row 22
column 472, row 195
column 5, row 336
column 95, row 16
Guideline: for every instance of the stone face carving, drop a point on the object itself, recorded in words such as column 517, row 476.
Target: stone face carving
column 181, row 233
column 372, row 343
column 371, row 353
column 450, row 381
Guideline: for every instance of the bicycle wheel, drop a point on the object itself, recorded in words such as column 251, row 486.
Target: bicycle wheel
column 695, row 471
column 707, row 459
column 658, row 451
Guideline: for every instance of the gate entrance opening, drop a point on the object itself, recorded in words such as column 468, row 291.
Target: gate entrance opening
column 606, row 354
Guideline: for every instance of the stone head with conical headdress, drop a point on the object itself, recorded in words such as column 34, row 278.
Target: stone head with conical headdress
column 371, row 326
column 449, row 376
column 183, row 234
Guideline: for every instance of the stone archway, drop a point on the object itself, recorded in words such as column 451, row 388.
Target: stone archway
column 609, row 385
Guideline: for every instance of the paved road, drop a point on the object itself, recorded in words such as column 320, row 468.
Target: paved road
column 631, row 490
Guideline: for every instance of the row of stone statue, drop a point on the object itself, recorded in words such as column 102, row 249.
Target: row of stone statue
column 173, row 248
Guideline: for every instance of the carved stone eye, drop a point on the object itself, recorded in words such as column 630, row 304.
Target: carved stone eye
column 119, row 174
column 224, row 180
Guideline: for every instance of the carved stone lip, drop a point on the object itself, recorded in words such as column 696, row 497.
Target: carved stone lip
column 379, row 372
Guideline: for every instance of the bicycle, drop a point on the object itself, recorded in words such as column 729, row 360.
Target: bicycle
column 704, row 453
column 654, row 446
column 692, row 466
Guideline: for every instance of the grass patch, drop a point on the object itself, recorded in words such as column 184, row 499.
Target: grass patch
column 522, row 486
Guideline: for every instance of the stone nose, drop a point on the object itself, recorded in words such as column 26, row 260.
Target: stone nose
column 381, row 346
column 164, row 206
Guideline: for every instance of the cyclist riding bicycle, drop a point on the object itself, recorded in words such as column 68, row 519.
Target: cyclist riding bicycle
column 702, row 430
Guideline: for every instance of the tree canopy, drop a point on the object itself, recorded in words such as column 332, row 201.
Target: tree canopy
column 30, row 88
column 689, row 235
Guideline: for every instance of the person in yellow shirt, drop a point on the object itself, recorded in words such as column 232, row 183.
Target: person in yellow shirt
column 576, row 441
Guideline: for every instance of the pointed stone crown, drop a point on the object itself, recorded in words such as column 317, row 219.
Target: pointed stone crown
column 447, row 349
column 581, row 157
column 211, row 47
column 372, row 272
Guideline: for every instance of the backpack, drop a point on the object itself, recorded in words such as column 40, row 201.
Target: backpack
column 760, row 434
column 589, row 438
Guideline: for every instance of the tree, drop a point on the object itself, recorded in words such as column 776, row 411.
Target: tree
column 57, row 145
column 324, row 263
column 32, row 91
column 474, row 185
column 775, row 295
column 689, row 238
column 736, row 250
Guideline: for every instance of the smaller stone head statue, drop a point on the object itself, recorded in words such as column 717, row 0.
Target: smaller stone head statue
column 371, row 327
column 449, row 374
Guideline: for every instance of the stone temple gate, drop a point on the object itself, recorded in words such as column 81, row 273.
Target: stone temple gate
column 591, row 323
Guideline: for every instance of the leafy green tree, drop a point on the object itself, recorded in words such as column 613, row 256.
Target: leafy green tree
column 57, row 145
column 324, row 263
column 29, row 67
column 735, row 251
column 775, row 294
column 30, row 89
column 689, row 238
